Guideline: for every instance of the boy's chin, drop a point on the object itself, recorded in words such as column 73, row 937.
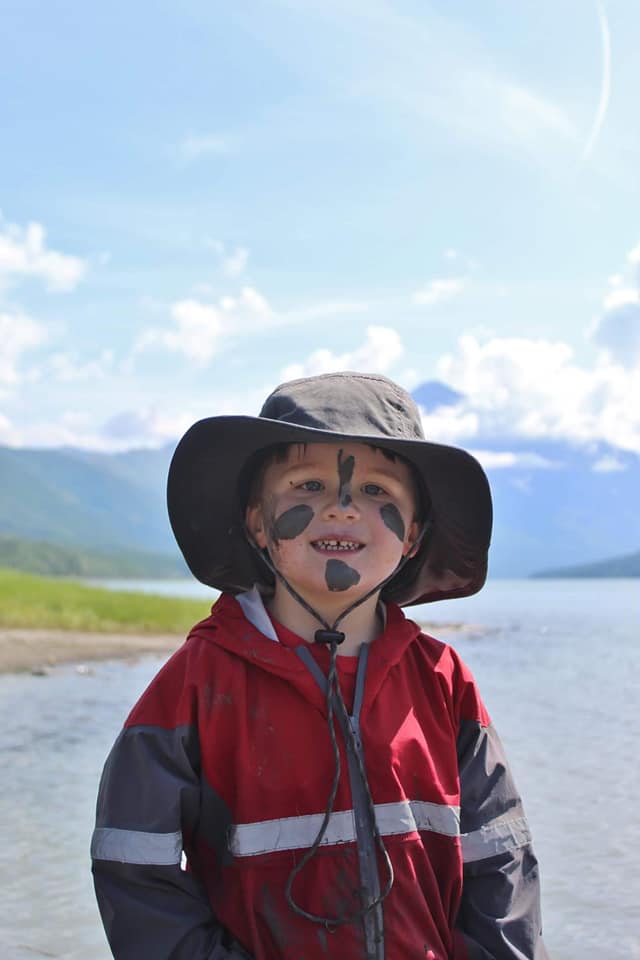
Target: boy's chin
column 332, row 599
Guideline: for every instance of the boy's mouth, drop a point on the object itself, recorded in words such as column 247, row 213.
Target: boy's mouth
column 335, row 545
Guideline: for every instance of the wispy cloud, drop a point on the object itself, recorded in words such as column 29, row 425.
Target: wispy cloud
column 147, row 427
column 23, row 254
column 78, row 428
column 198, row 146
column 234, row 264
column 380, row 350
column 433, row 70
column 617, row 330
column 605, row 85
column 18, row 334
column 438, row 291
column 325, row 310
column 507, row 460
column 608, row 464
column 66, row 367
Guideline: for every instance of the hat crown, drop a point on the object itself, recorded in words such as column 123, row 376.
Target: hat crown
column 352, row 404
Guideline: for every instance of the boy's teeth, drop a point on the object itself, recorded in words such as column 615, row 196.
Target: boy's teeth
column 338, row 544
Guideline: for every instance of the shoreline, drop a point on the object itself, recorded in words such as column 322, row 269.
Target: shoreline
column 37, row 650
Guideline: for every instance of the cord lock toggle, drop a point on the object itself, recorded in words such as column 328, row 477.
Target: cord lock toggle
column 328, row 636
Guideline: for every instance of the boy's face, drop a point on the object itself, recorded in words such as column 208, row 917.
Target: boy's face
column 336, row 518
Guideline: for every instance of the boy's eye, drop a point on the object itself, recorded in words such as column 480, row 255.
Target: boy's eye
column 372, row 489
column 312, row 486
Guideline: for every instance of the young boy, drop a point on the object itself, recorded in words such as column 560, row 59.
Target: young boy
column 310, row 776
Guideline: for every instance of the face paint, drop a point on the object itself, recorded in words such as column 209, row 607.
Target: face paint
column 345, row 473
column 291, row 523
column 392, row 519
column 340, row 576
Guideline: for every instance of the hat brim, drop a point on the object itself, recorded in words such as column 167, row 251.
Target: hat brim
column 207, row 519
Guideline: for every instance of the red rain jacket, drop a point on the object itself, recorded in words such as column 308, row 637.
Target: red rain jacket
column 227, row 759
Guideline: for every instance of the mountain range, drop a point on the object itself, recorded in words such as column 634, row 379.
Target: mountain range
column 554, row 507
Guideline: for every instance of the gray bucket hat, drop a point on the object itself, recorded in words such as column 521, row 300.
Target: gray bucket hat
column 205, row 492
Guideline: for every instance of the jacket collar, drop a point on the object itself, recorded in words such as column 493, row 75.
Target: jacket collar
column 242, row 626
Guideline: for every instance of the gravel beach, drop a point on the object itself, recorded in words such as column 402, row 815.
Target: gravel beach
column 33, row 651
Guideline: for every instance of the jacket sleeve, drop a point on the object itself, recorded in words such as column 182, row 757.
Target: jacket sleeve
column 499, row 916
column 147, row 813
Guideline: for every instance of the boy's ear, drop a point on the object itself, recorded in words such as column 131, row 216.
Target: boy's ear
column 255, row 524
column 410, row 546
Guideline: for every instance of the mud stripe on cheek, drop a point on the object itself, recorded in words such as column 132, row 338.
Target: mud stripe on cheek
column 345, row 474
column 392, row 519
column 340, row 576
column 292, row 522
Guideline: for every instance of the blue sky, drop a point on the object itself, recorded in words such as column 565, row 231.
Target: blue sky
column 201, row 200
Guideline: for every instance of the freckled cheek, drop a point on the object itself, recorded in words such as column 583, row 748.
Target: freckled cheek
column 390, row 555
column 291, row 553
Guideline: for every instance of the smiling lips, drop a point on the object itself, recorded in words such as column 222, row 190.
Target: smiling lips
column 335, row 545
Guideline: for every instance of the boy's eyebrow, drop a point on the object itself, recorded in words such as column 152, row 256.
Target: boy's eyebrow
column 300, row 464
column 379, row 470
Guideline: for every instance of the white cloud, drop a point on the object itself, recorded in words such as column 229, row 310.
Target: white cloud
column 617, row 330
column 620, row 297
column 608, row 464
column 504, row 459
column 66, row 368
column 194, row 147
column 450, row 424
column 127, row 430
column 18, row 334
column 534, row 388
column 23, row 253
column 330, row 308
column 250, row 305
column 235, row 263
column 381, row 349
column 438, row 291
column 6, row 431
column 143, row 428
column 527, row 114
column 199, row 328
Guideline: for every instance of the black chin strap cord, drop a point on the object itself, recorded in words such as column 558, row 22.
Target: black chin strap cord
column 335, row 704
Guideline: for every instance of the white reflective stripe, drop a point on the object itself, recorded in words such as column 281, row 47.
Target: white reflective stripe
column 136, row 846
column 495, row 838
column 408, row 816
column 292, row 833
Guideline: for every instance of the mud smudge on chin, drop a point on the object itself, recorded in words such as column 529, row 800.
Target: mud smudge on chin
column 340, row 576
column 291, row 523
column 392, row 519
column 345, row 475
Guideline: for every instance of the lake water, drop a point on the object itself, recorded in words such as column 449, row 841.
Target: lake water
column 558, row 663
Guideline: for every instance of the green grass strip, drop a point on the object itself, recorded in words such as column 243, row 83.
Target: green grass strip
column 32, row 601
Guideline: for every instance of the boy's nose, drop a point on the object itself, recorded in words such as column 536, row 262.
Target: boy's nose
column 342, row 505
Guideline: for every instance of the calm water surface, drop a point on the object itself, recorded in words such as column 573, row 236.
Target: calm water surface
column 558, row 664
